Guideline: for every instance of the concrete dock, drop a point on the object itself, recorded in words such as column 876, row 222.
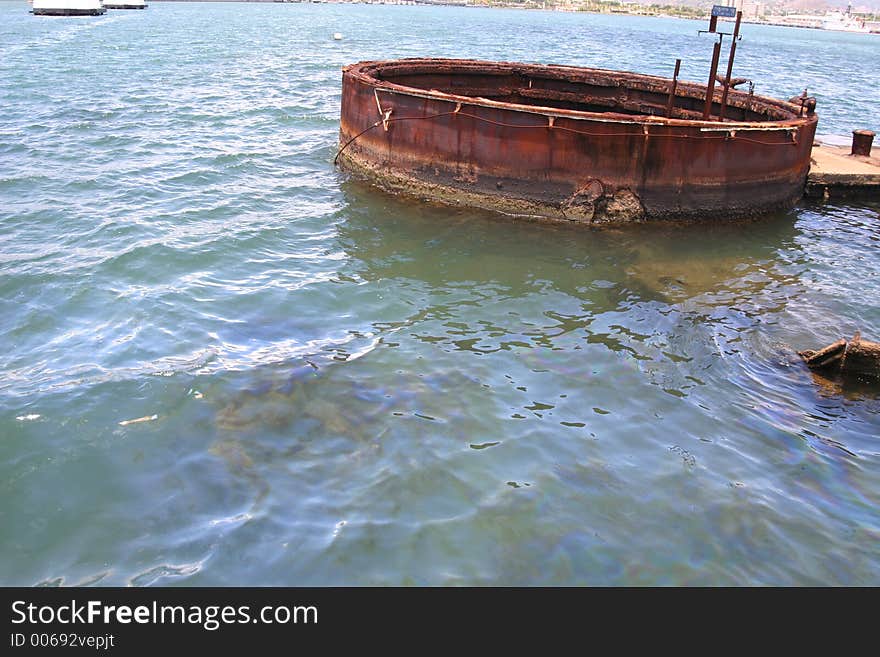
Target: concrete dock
column 834, row 173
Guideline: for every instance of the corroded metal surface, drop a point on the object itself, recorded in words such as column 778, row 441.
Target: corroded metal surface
column 861, row 143
column 567, row 143
column 856, row 357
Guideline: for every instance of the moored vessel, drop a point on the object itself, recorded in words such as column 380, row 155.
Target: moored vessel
column 68, row 8
column 126, row 4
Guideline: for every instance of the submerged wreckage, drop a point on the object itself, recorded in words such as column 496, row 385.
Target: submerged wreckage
column 855, row 358
column 578, row 144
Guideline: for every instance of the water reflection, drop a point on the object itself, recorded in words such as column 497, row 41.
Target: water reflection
column 399, row 237
column 480, row 282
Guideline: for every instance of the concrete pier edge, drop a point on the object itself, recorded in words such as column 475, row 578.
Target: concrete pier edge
column 835, row 173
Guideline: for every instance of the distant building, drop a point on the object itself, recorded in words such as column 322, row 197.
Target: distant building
column 751, row 10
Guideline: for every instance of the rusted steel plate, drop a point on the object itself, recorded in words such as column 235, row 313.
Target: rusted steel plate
column 569, row 143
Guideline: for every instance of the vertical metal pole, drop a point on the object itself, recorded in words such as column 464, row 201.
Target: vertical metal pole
column 739, row 16
column 710, row 88
column 672, row 88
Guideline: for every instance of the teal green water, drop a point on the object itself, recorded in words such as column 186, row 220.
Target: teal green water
column 336, row 386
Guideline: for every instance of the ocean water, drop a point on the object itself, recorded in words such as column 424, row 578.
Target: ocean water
column 223, row 362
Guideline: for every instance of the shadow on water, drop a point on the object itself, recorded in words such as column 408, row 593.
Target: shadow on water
column 620, row 286
column 395, row 236
column 854, row 389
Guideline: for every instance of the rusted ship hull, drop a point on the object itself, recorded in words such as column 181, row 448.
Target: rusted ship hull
column 567, row 143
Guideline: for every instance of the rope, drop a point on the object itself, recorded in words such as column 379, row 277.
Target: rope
column 551, row 126
column 339, row 152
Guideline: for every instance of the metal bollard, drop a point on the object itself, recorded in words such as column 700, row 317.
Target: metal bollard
column 861, row 143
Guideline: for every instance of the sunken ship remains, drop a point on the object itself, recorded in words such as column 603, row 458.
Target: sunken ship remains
column 573, row 144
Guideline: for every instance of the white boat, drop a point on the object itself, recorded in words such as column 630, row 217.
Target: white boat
column 68, row 8
column 125, row 4
column 843, row 22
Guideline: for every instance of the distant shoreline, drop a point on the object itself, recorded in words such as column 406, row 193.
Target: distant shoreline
column 647, row 10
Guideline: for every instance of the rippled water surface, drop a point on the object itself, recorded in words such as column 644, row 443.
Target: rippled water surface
column 223, row 362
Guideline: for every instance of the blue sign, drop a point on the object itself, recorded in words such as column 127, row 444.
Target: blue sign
column 724, row 12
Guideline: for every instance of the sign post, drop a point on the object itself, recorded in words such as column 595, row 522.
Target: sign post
column 739, row 16
column 726, row 12
column 720, row 10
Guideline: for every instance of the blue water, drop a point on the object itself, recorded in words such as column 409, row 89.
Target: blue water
column 224, row 362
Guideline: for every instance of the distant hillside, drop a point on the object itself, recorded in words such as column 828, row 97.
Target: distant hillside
column 773, row 6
